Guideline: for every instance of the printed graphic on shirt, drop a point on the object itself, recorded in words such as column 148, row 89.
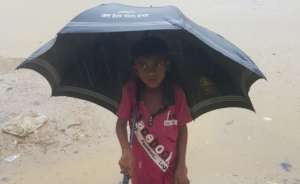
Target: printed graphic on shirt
column 153, row 148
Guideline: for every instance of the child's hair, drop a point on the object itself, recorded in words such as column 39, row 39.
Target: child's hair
column 150, row 46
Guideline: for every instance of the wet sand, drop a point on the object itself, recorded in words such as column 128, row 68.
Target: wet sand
column 230, row 146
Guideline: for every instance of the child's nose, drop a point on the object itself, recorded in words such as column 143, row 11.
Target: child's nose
column 152, row 70
column 151, row 73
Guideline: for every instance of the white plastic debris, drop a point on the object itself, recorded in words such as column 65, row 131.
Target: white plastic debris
column 24, row 123
column 267, row 119
column 11, row 158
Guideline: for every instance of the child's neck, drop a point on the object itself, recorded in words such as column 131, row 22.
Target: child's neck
column 153, row 90
column 153, row 99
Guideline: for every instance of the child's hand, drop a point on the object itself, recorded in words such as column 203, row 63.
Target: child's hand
column 126, row 162
column 181, row 175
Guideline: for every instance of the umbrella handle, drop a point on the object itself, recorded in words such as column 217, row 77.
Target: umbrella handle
column 125, row 179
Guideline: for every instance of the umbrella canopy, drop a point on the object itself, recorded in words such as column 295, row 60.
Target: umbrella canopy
column 90, row 57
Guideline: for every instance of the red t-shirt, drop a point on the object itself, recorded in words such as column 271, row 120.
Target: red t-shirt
column 154, row 147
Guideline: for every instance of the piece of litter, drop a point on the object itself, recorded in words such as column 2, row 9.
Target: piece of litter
column 24, row 124
column 267, row 119
column 11, row 158
column 286, row 166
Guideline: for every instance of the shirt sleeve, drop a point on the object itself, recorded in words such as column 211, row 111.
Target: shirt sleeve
column 183, row 114
column 125, row 106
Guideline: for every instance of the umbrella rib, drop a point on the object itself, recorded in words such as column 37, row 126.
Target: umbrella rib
column 88, row 93
column 91, row 82
column 216, row 100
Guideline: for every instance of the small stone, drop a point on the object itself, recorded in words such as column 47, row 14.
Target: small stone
column 249, row 138
column 66, row 145
column 73, row 124
column 230, row 122
column 75, row 152
column 5, row 179
column 8, row 89
column 36, row 103
column 297, row 180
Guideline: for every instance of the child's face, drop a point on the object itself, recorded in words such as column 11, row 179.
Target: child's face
column 151, row 70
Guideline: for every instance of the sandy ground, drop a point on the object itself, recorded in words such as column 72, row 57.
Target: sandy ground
column 230, row 146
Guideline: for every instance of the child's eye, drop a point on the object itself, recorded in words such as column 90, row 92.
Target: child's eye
column 144, row 66
column 159, row 64
column 154, row 65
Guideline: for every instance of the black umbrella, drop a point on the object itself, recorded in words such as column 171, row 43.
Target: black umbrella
column 90, row 57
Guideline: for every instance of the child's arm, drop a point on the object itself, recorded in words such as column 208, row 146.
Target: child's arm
column 181, row 169
column 126, row 158
column 181, row 146
column 121, row 131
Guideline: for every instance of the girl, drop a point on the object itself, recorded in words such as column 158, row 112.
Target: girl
column 158, row 150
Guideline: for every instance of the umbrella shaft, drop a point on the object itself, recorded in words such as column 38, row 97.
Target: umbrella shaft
column 125, row 179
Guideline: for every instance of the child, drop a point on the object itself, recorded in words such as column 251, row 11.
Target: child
column 158, row 150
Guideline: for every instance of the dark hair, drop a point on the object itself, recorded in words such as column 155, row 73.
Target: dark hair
column 148, row 46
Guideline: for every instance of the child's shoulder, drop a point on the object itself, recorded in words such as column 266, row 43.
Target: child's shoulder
column 178, row 90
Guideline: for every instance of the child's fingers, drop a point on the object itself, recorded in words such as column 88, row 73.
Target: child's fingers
column 125, row 168
column 124, row 172
column 125, row 164
column 129, row 171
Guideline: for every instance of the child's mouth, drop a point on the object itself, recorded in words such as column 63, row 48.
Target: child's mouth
column 151, row 80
